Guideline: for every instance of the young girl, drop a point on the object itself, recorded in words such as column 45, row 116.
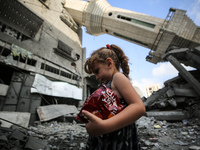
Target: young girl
column 118, row 132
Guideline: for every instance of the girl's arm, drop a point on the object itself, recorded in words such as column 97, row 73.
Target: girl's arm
column 130, row 114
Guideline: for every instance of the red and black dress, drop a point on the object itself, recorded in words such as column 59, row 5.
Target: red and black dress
column 123, row 139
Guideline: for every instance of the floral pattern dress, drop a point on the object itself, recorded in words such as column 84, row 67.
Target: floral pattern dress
column 123, row 139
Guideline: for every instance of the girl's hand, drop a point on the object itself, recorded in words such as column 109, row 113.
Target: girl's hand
column 95, row 126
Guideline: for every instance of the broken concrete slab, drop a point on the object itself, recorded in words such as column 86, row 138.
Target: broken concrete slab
column 155, row 97
column 53, row 111
column 45, row 86
column 34, row 143
column 168, row 115
column 194, row 147
column 3, row 89
column 20, row 139
column 3, row 138
column 18, row 135
column 19, row 118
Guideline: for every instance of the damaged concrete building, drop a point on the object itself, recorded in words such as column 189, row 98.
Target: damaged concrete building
column 41, row 54
column 42, row 59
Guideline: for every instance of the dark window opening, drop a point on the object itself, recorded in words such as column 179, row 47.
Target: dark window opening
column 65, row 74
column 56, row 71
column 130, row 39
column 4, row 51
column 3, row 27
column 75, row 77
column 66, row 55
column 77, row 56
column 110, row 14
column 106, row 30
column 150, row 25
column 19, row 58
column 65, row 51
column 6, row 75
column 62, row 46
column 12, row 32
column 49, row 68
column 30, row 62
column 73, row 64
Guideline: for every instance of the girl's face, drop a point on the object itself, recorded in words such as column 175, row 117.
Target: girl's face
column 102, row 72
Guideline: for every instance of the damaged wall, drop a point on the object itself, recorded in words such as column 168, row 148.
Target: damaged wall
column 19, row 97
column 36, row 40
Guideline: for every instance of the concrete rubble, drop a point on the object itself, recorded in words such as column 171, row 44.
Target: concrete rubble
column 48, row 135
column 177, row 100
column 64, row 134
column 163, row 135
column 41, row 59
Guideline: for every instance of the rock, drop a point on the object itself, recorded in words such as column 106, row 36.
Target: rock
column 144, row 122
column 157, row 127
column 184, row 133
column 194, row 148
column 147, row 143
column 181, row 143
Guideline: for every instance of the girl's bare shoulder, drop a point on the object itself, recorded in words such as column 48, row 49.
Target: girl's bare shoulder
column 120, row 77
column 120, row 81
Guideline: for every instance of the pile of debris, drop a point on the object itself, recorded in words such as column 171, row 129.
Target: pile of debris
column 47, row 136
column 19, row 139
column 163, row 135
column 177, row 100
column 65, row 135
column 47, row 133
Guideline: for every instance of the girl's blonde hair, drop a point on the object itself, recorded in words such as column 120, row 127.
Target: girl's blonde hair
column 114, row 52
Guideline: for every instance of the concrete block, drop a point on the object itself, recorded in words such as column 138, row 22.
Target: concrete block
column 35, row 144
column 53, row 111
column 169, row 115
column 13, row 93
column 18, row 135
column 3, row 89
column 20, row 118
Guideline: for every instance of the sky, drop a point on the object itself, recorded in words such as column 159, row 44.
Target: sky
column 143, row 73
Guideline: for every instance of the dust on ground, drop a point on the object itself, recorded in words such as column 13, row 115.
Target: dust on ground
column 153, row 134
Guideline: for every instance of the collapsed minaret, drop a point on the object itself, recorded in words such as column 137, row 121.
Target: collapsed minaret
column 157, row 34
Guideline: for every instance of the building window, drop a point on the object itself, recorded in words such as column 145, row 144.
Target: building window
column 64, row 47
column 66, row 51
column 110, row 14
column 143, row 23
column 58, row 72
column 49, row 68
column 130, row 39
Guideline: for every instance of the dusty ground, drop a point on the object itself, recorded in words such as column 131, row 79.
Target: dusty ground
column 163, row 135
column 154, row 135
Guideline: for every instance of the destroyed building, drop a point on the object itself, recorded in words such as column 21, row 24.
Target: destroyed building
column 41, row 60
column 41, row 54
